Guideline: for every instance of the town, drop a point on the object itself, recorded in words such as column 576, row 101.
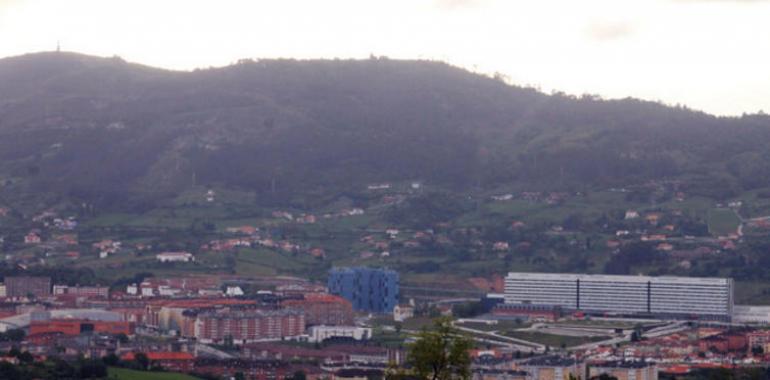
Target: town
column 357, row 324
column 264, row 299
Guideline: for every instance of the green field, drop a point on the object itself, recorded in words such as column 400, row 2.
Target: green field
column 723, row 221
column 129, row 374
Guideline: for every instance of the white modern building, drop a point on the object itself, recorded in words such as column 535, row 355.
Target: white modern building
column 169, row 257
column 321, row 333
column 682, row 297
column 751, row 314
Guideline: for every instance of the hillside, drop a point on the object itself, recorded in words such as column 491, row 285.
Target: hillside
column 110, row 132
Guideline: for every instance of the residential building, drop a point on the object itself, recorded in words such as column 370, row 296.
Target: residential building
column 368, row 289
column 552, row 368
column 671, row 297
column 403, row 312
column 323, row 309
column 80, row 326
column 82, row 291
column 174, row 257
column 248, row 325
column 321, row 333
column 23, row 286
column 629, row 370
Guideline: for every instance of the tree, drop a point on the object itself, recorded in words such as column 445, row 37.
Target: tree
column 441, row 353
column 299, row 375
column 757, row 350
column 26, row 357
column 142, row 360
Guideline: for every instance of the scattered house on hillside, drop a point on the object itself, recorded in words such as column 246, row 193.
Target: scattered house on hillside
column 366, row 255
column 403, row 312
column 517, row 224
column 246, row 230
column 631, row 214
column 416, row 185
column 653, row 218
column 307, row 219
column 210, row 196
column 69, row 239
column 384, row 254
column 728, row 245
column 379, row 186
column 72, row 255
column 501, row 246
column 503, row 197
column 392, row 232
column 665, row 247
column 355, row 211
column 653, row 237
column 4, row 211
column 106, row 247
column 669, row 227
column 32, row 238
column 172, row 257
column 318, row 253
column 68, row 224
column 283, row 215
column 735, row 204
column 622, row 233
column 613, row 244
column 234, row 291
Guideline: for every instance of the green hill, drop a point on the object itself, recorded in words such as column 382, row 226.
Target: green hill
column 124, row 135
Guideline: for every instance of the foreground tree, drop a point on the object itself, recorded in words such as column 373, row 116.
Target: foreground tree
column 441, row 353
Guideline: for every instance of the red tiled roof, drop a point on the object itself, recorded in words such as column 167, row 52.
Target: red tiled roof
column 163, row 355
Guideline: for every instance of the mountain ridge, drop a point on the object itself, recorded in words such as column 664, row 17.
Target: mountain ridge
column 107, row 130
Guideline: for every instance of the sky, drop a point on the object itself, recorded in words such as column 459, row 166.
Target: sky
column 710, row 55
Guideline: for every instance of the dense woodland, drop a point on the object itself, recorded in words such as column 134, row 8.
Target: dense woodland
column 123, row 135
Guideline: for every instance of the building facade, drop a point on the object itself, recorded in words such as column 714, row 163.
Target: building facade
column 368, row 289
column 23, row 286
column 323, row 309
column 685, row 297
column 248, row 326
column 624, row 370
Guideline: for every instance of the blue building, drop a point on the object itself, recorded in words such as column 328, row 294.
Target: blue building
column 368, row 289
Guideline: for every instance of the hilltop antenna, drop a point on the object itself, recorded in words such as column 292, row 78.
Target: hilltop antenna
column 58, row 46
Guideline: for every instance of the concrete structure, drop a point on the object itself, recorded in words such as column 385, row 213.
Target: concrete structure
column 175, row 257
column 751, row 314
column 368, row 289
column 321, row 333
column 323, row 309
column 22, row 286
column 403, row 312
column 636, row 370
column 552, row 368
column 670, row 297
column 82, row 291
column 80, row 326
column 248, row 326
column 24, row 320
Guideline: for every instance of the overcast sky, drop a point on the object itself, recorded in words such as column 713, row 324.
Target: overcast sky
column 712, row 55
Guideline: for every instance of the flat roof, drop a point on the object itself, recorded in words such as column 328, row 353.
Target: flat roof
column 619, row 278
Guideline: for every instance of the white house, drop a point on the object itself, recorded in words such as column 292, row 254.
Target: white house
column 169, row 257
column 631, row 214
column 234, row 291
column 402, row 312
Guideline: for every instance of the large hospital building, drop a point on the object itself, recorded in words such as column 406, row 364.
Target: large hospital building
column 675, row 297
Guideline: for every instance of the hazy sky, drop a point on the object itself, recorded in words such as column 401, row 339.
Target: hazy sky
column 712, row 55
